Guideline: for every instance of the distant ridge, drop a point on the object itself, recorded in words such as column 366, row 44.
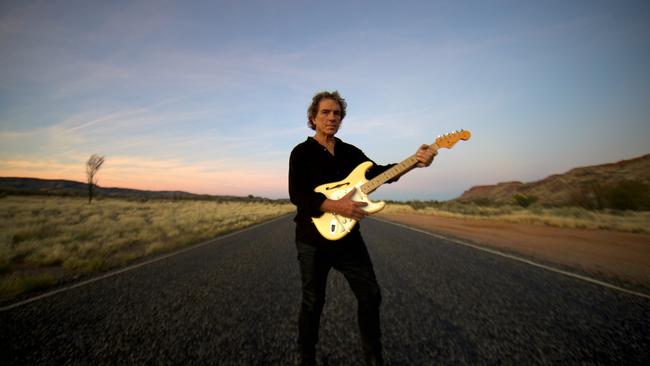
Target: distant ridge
column 568, row 188
column 62, row 187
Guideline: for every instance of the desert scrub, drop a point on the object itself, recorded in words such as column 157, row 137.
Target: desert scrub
column 567, row 217
column 69, row 237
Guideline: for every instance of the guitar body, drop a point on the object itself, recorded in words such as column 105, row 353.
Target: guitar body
column 332, row 226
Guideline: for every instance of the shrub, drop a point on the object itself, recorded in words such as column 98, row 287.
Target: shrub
column 622, row 195
column 627, row 195
column 419, row 205
column 524, row 200
column 483, row 201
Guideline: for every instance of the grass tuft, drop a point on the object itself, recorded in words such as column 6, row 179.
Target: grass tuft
column 12, row 286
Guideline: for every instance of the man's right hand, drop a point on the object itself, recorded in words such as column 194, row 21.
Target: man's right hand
column 346, row 207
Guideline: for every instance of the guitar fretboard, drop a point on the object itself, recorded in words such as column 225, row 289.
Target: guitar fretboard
column 396, row 170
column 446, row 141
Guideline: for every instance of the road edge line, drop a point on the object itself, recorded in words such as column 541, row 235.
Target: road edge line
column 138, row 265
column 520, row 259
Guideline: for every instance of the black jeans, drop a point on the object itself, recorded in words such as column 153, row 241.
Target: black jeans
column 350, row 257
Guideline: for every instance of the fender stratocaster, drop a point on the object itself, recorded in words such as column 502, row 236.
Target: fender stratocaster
column 333, row 226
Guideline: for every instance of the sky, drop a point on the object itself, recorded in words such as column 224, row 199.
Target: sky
column 211, row 96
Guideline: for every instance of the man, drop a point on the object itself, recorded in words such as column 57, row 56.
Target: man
column 321, row 159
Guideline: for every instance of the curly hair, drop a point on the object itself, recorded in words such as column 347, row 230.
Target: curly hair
column 313, row 108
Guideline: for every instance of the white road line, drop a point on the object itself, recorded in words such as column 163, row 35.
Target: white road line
column 509, row 256
column 129, row 268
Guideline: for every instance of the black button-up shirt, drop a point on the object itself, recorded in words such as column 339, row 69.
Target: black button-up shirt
column 311, row 165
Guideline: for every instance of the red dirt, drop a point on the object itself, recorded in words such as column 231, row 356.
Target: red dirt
column 614, row 255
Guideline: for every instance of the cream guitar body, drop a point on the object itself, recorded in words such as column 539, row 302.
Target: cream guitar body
column 332, row 226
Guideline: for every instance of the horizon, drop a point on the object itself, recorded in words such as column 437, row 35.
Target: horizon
column 286, row 198
column 210, row 98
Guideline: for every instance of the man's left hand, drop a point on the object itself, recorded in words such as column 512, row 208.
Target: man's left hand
column 425, row 155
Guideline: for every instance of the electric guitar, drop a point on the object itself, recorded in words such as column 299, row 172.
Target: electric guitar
column 333, row 226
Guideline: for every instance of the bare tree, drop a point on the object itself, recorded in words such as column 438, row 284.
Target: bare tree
column 92, row 167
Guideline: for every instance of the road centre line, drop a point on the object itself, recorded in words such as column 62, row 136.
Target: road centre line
column 527, row 261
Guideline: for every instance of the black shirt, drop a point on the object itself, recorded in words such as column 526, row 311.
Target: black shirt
column 311, row 165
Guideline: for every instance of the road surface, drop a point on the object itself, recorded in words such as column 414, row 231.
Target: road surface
column 235, row 300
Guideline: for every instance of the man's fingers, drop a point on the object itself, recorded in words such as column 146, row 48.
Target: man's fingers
column 359, row 214
column 349, row 195
column 354, row 207
column 425, row 155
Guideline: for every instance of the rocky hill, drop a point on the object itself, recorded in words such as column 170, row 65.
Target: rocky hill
column 592, row 187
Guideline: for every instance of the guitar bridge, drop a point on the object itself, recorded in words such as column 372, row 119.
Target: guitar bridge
column 337, row 222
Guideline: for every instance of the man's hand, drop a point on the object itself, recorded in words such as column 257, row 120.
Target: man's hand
column 425, row 155
column 345, row 207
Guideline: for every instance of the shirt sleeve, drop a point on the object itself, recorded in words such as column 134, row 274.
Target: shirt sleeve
column 301, row 186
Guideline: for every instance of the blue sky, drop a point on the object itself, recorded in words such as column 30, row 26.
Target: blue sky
column 211, row 96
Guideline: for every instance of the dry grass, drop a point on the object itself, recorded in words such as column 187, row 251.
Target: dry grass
column 44, row 240
column 567, row 217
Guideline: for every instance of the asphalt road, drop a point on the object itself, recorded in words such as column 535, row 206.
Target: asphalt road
column 235, row 300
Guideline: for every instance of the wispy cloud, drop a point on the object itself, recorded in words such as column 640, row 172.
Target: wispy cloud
column 124, row 117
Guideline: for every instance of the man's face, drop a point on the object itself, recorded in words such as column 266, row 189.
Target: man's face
column 328, row 117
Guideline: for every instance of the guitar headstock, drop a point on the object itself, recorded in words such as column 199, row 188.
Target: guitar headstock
column 450, row 139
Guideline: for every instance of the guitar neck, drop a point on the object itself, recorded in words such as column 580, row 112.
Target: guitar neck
column 395, row 171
